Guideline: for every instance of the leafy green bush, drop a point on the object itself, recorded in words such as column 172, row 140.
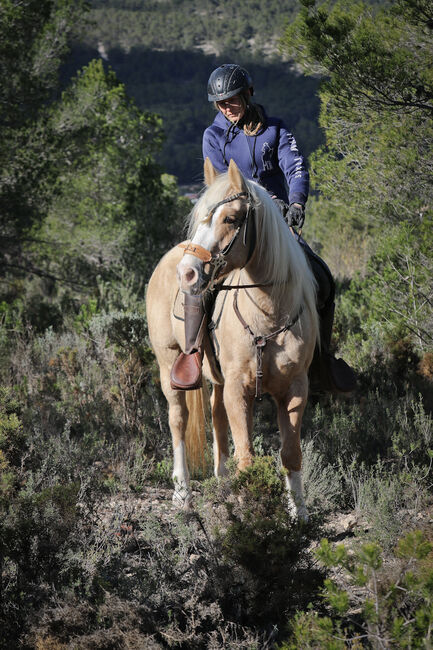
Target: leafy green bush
column 372, row 605
column 261, row 544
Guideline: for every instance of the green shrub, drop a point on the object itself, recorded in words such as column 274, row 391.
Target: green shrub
column 372, row 605
column 385, row 500
column 322, row 481
column 263, row 547
column 412, row 438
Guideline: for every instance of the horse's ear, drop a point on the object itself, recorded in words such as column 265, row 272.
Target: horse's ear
column 210, row 173
column 236, row 179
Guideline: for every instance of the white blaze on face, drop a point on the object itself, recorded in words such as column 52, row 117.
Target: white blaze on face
column 190, row 267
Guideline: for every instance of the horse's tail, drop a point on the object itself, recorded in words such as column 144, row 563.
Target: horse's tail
column 197, row 402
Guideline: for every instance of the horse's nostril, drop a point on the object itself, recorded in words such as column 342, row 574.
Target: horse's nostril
column 190, row 276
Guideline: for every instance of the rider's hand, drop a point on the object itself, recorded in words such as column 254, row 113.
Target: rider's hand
column 295, row 215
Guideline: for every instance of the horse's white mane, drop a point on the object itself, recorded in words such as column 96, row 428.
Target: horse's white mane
column 282, row 260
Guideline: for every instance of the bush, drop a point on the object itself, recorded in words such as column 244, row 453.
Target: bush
column 386, row 500
column 222, row 577
column 322, row 481
column 372, row 605
column 264, row 549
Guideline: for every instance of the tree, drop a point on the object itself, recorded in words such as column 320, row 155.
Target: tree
column 34, row 36
column 112, row 205
column 80, row 191
column 377, row 103
column 377, row 164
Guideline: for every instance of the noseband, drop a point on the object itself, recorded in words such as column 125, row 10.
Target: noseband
column 218, row 261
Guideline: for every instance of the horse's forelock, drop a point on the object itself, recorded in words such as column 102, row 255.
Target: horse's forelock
column 213, row 194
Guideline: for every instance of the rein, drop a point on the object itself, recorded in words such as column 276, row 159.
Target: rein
column 260, row 341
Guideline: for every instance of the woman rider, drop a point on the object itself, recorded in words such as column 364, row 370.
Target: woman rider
column 265, row 151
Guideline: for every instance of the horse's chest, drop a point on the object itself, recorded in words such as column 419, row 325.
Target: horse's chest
column 276, row 361
column 241, row 356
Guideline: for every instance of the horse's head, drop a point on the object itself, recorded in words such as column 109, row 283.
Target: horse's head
column 220, row 230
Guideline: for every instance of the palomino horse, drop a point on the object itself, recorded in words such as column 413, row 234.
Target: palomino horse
column 265, row 329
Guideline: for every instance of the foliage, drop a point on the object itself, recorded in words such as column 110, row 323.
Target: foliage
column 385, row 499
column 91, row 554
column 265, row 549
column 164, row 53
column 112, row 201
column 372, row 605
column 71, row 429
column 376, row 104
column 396, row 287
column 173, row 85
column 80, row 192
column 29, row 73
column 322, row 480
column 33, row 39
column 103, row 577
column 187, row 24
column 376, row 110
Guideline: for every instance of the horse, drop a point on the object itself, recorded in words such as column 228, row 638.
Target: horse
column 265, row 324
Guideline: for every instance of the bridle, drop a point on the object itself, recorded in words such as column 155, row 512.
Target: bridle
column 218, row 261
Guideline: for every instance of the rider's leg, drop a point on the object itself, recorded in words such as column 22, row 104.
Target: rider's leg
column 334, row 374
column 186, row 371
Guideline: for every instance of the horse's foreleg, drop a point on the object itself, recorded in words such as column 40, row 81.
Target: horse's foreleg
column 290, row 412
column 220, row 426
column 177, row 419
column 239, row 407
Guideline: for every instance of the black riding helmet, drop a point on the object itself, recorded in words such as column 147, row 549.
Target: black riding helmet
column 227, row 81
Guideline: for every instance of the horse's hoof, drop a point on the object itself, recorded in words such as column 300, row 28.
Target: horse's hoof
column 182, row 499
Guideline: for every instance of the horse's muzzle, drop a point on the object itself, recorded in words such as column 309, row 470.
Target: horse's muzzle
column 191, row 277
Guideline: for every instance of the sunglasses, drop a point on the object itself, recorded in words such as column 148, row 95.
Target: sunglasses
column 231, row 102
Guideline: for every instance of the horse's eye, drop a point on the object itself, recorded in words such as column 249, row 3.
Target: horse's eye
column 230, row 220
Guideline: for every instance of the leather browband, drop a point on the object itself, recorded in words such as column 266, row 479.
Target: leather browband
column 196, row 250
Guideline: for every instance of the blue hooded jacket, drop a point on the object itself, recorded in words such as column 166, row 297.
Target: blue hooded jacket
column 270, row 157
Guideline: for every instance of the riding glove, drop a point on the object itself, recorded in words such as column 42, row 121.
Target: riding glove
column 296, row 215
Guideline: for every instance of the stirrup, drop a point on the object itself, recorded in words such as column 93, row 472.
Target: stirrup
column 186, row 371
